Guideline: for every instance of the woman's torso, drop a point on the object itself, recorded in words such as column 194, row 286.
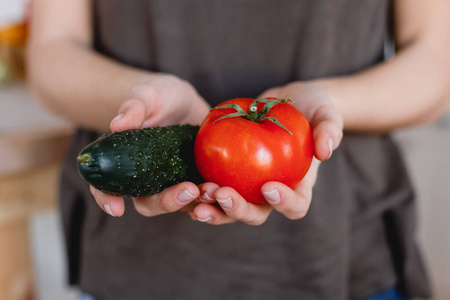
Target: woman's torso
column 362, row 213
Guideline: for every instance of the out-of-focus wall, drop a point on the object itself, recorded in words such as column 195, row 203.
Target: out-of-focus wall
column 426, row 151
column 11, row 10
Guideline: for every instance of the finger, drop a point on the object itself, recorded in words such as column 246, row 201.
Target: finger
column 207, row 191
column 239, row 209
column 327, row 137
column 170, row 200
column 211, row 214
column 112, row 205
column 286, row 201
column 190, row 206
column 132, row 114
column 293, row 204
column 327, row 126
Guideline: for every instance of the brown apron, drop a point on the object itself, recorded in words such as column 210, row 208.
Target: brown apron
column 359, row 235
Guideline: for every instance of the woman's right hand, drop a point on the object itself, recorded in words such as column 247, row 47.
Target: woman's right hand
column 161, row 100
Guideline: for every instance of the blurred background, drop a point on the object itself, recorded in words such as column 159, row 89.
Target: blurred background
column 33, row 142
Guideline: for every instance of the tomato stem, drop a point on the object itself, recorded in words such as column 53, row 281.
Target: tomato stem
column 253, row 114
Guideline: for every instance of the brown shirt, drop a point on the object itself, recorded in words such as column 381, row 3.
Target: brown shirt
column 358, row 237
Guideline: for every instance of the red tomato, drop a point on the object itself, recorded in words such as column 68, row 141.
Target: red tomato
column 244, row 154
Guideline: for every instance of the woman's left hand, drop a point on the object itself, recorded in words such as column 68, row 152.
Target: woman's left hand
column 221, row 205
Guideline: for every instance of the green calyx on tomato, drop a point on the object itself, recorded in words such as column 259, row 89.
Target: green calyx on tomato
column 253, row 114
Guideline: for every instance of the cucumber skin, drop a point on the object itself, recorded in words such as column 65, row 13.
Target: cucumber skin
column 140, row 162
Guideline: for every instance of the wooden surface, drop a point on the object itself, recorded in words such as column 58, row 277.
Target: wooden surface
column 33, row 143
column 24, row 150
column 21, row 195
column 16, row 282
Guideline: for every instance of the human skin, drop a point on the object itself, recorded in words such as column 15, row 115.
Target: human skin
column 91, row 90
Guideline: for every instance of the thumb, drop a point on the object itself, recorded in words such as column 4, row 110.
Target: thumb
column 132, row 114
column 327, row 127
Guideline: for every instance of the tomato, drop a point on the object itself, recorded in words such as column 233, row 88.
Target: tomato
column 233, row 150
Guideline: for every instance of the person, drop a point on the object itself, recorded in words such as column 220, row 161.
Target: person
column 345, row 232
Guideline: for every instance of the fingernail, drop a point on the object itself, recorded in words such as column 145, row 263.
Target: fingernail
column 118, row 117
column 207, row 197
column 185, row 197
column 208, row 219
column 226, row 203
column 107, row 208
column 330, row 147
column 273, row 196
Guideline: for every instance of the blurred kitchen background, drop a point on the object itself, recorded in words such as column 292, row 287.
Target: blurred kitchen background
column 32, row 145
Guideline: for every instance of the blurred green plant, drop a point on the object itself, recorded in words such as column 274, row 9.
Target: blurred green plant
column 4, row 72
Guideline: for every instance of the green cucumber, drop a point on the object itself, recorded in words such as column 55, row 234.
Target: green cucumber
column 140, row 162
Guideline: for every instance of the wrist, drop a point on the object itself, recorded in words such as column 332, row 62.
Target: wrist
column 331, row 88
column 335, row 89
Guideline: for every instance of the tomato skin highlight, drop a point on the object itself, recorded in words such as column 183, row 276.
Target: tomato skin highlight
column 244, row 154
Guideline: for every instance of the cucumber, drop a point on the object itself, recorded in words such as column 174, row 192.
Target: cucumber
column 140, row 162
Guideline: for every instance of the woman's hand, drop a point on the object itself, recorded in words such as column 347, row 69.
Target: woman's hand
column 179, row 197
column 221, row 205
column 159, row 101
